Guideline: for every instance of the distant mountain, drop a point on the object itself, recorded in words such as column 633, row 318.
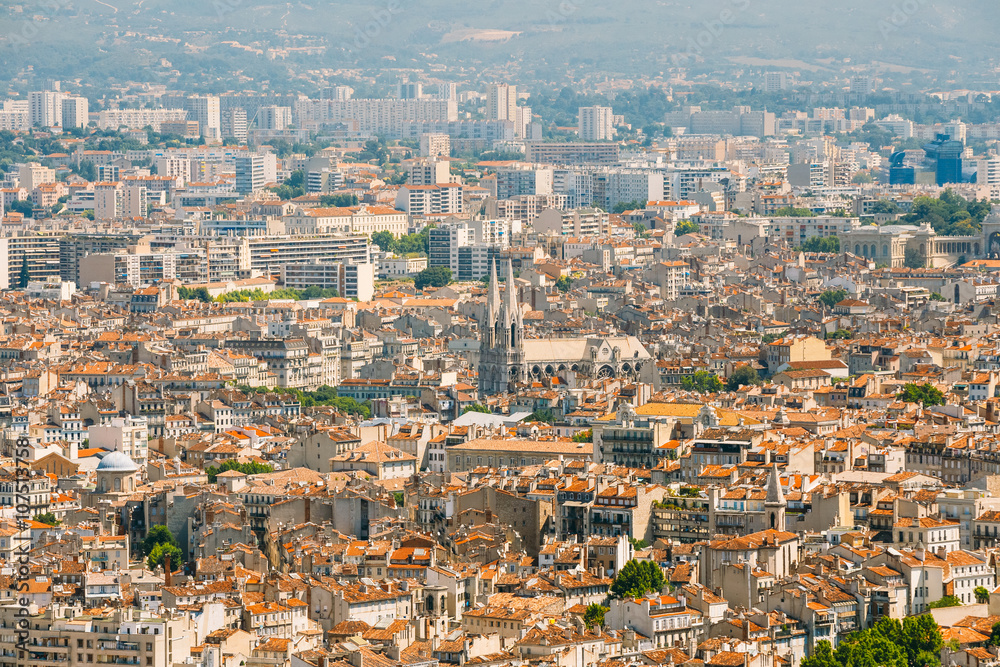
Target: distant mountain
column 545, row 37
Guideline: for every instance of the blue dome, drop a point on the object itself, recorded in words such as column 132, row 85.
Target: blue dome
column 117, row 462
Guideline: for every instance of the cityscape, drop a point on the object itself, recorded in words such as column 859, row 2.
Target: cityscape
column 517, row 334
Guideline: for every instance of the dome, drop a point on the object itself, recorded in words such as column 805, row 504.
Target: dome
column 117, row 462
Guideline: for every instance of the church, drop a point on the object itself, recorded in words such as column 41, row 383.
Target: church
column 506, row 358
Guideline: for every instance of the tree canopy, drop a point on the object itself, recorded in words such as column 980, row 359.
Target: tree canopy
column 702, row 382
column 433, row 276
column 686, row 227
column 914, row 642
column 742, row 376
column 926, row 393
column 594, row 616
column 832, row 297
column 159, row 554
column 155, row 536
column 950, row 214
column 636, row 578
column 248, row 468
column 829, row 244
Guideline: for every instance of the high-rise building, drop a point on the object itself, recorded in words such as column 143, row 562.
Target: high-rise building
column 447, row 91
column 988, row 174
column 274, row 118
column 444, row 242
column 234, row 124
column 776, row 81
column 596, row 123
column 207, row 111
column 862, row 84
column 946, row 153
column 410, row 91
column 501, row 102
column 341, row 93
column 75, row 112
column 109, row 201
column 429, row 172
column 45, row 108
column 250, row 175
column 434, row 144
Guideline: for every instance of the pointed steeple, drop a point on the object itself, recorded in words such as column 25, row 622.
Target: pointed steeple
column 775, row 497
column 493, row 299
column 510, row 297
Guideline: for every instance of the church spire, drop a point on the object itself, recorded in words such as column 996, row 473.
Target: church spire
column 493, row 299
column 510, row 295
column 774, row 496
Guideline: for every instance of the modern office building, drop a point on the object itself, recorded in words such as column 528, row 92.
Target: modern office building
column 946, row 154
column 249, row 174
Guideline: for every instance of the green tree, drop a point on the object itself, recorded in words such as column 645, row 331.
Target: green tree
column 199, row 294
column 884, row 207
column 792, row 212
column 544, row 415
column 25, row 275
column 22, row 206
column 921, row 640
column 827, row 244
column 160, row 553
column 384, row 240
column 50, row 519
column 840, row 334
column 822, row 656
column 434, row 276
column 636, row 578
column 87, row 170
column 584, row 436
column 869, row 649
column 912, row 259
column 399, row 497
column 594, row 616
column 742, row 376
column 995, row 634
column 248, row 468
column 564, row 283
column 622, row 206
column 293, row 187
column 702, row 382
column 936, row 296
column 338, row 201
column 926, row 393
column 686, row 227
column 157, row 535
column 477, row 407
column 982, row 594
column 946, row 601
column 832, row 297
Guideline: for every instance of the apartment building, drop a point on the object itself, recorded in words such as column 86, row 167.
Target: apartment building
column 596, row 123
column 440, row 199
column 352, row 281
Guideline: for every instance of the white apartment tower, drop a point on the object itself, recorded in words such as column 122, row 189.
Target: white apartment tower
column 234, row 124
column 596, row 123
column 429, row 172
column 75, row 112
column 45, row 108
column 776, row 81
column 501, row 102
column 274, row 118
column 207, row 111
